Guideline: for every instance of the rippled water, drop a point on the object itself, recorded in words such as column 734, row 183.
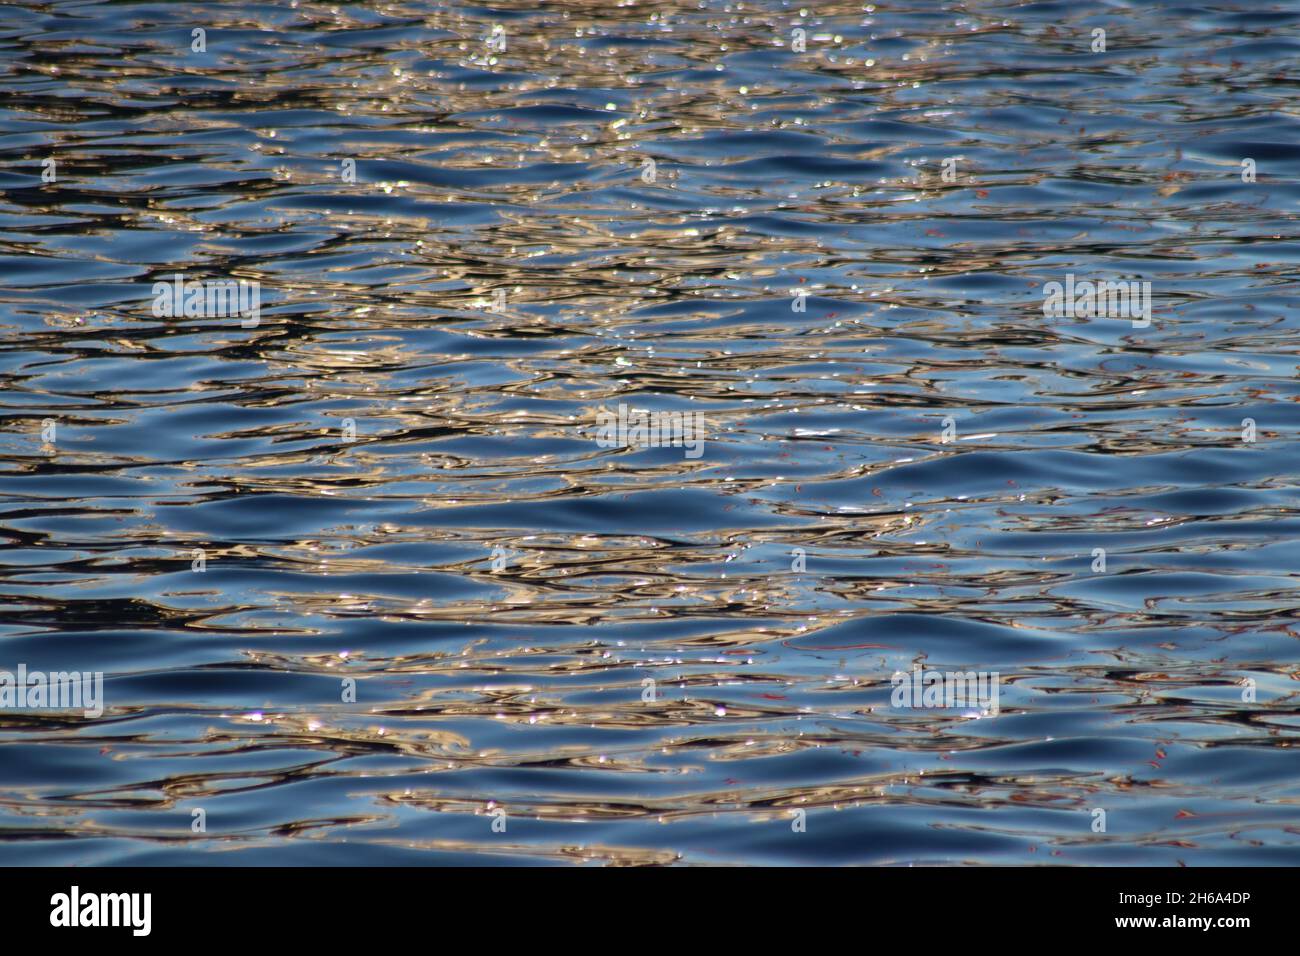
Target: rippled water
column 499, row 585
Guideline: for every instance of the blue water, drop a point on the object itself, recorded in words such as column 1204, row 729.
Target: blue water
column 498, row 585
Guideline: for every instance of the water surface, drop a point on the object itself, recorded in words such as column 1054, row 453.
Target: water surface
column 505, row 265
